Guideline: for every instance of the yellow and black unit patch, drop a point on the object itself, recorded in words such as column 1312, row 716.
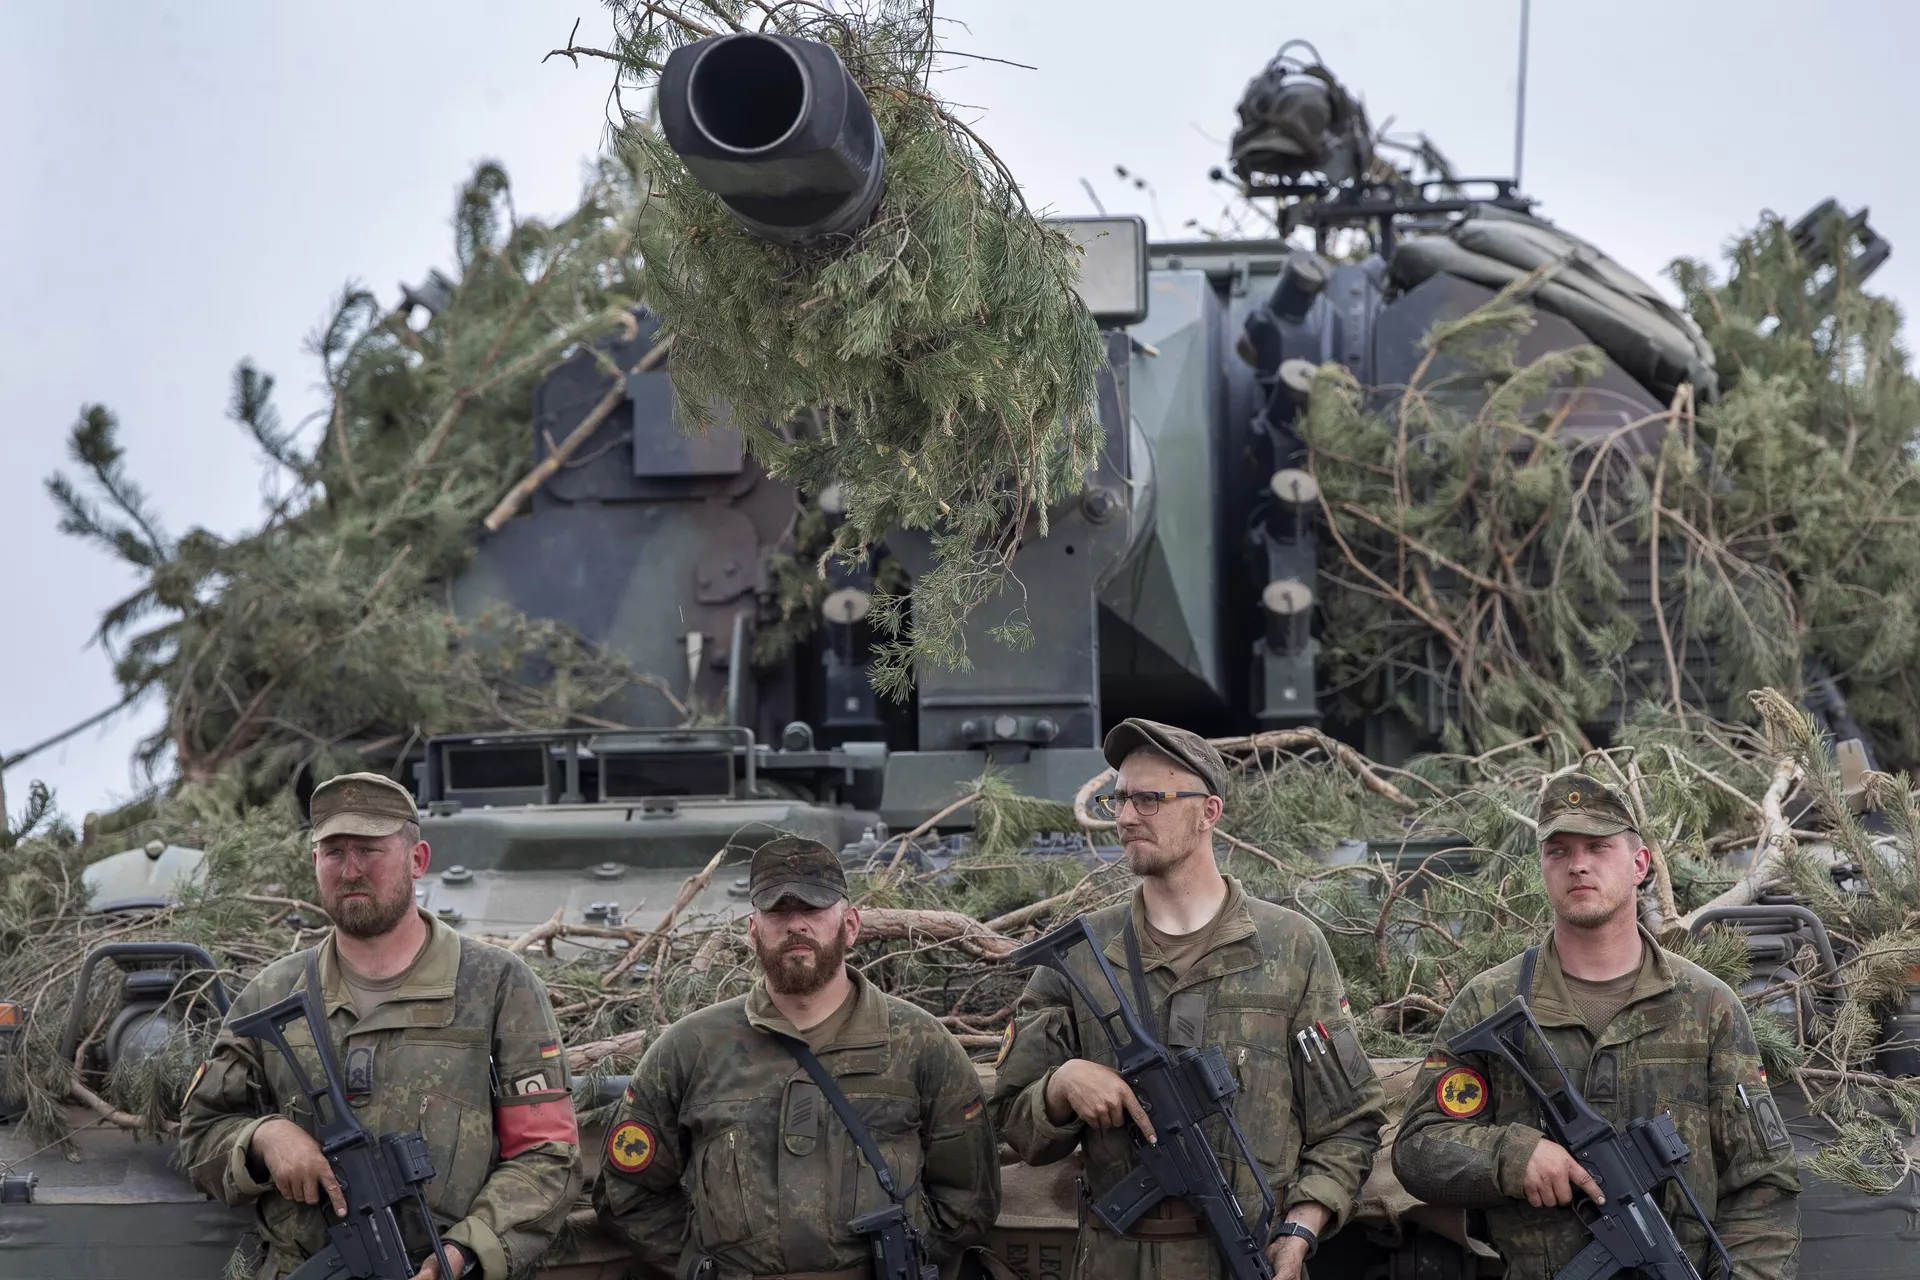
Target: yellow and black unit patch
column 630, row 1146
column 1006, row 1044
column 1461, row 1093
column 193, row 1084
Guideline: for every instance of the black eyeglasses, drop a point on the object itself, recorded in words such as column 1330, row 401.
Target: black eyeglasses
column 1145, row 803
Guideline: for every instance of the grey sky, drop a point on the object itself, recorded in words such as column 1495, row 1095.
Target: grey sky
column 190, row 183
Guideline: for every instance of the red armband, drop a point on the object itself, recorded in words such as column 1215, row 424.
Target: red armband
column 527, row 1121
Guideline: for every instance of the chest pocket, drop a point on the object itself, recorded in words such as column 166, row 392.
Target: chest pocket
column 1264, row 1108
column 437, row 1080
column 718, row 1187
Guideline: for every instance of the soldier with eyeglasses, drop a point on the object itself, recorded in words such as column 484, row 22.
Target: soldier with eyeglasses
column 1221, row 968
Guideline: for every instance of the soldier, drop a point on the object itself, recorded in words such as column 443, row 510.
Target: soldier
column 1640, row 1031
column 434, row 1032
column 726, row 1160
column 1224, row 968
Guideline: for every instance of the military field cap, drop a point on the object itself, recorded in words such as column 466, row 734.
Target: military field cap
column 360, row 804
column 795, row 867
column 1578, row 804
column 1188, row 750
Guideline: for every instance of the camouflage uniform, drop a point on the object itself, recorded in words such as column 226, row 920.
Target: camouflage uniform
column 1681, row 1044
column 724, row 1148
column 466, row 1051
column 1311, row 1111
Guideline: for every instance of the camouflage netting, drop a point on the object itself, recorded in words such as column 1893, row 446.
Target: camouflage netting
column 324, row 638
column 944, row 335
column 1446, row 884
column 1474, row 543
column 937, row 364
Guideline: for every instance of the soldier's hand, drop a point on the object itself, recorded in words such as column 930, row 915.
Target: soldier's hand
column 1097, row 1095
column 430, row 1269
column 1553, row 1175
column 295, row 1163
column 1288, row 1255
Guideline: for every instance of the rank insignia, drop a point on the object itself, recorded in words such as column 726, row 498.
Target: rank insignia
column 630, row 1146
column 1461, row 1093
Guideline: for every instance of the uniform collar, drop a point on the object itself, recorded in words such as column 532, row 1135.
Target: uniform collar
column 1235, row 946
column 432, row 978
column 862, row 1038
column 1649, row 1006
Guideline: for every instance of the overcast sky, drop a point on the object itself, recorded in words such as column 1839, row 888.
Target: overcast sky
column 188, row 184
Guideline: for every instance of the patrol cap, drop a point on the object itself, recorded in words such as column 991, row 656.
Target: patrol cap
column 1581, row 805
column 1188, row 750
column 360, row 804
column 793, row 866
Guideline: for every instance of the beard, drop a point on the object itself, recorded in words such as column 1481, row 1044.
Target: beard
column 368, row 917
column 801, row 972
column 1591, row 913
column 1168, row 849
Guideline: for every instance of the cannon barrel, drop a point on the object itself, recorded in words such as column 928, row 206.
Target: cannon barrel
column 776, row 127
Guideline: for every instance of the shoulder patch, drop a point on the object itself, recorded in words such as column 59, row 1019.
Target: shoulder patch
column 973, row 1109
column 551, row 1050
column 1461, row 1093
column 198, row 1073
column 1435, row 1060
column 630, row 1146
column 1006, row 1044
column 1766, row 1115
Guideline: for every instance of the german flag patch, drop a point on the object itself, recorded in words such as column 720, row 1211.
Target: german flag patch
column 1461, row 1093
column 973, row 1109
column 1435, row 1060
column 551, row 1050
column 630, row 1147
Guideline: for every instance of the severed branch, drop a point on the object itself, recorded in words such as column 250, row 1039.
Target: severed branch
column 692, row 887
column 583, row 1056
column 528, row 484
column 1776, row 838
column 1301, row 739
column 110, row 1113
column 894, row 924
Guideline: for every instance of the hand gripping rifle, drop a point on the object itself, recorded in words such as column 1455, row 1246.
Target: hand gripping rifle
column 1629, row 1231
column 376, row 1175
column 1177, row 1091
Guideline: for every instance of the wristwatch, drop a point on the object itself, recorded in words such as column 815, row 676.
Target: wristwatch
column 1302, row 1230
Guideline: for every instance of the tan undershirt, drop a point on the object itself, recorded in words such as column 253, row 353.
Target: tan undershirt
column 368, row 994
column 1182, row 951
column 827, row 1030
column 1598, row 1003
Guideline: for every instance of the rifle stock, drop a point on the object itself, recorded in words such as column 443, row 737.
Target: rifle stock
column 1179, row 1091
column 1630, row 1231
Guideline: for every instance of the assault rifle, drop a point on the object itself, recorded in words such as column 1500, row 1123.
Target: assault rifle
column 376, row 1175
column 1629, row 1231
column 1178, row 1090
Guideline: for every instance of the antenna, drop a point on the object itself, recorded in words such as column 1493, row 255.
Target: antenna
column 1520, row 100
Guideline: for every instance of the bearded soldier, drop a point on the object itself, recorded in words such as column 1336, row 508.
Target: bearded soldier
column 728, row 1157
column 1639, row 1031
column 1221, row 968
column 434, row 1032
